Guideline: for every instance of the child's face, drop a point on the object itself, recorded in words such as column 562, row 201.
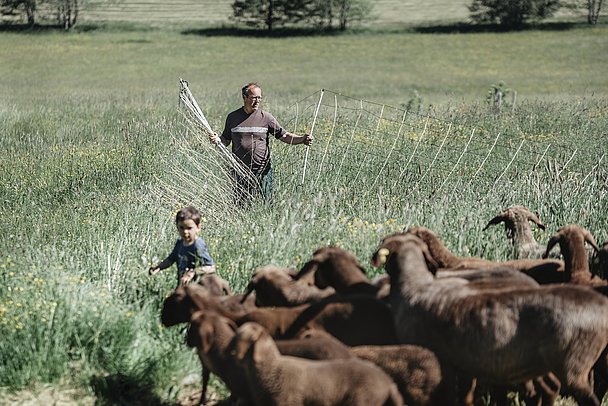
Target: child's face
column 188, row 230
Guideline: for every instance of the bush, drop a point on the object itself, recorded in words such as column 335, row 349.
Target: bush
column 511, row 13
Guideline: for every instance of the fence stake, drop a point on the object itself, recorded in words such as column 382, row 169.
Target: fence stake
column 312, row 128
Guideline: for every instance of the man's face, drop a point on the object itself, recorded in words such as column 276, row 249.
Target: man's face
column 251, row 101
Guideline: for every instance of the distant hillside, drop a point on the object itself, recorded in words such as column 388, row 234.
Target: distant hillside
column 218, row 11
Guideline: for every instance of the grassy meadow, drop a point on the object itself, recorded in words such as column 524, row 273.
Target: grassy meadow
column 97, row 157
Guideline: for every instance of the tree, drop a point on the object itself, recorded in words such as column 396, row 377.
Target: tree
column 511, row 13
column 257, row 13
column 350, row 11
column 591, row 7
column 20, row 6
column 65, row 12
column 343, row 12
column 320, row 13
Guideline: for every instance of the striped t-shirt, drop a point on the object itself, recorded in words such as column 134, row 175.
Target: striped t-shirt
column 249, row 136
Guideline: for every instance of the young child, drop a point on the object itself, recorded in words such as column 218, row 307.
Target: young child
column 190, row 251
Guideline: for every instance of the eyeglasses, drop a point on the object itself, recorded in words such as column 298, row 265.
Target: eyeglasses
column 255, row 97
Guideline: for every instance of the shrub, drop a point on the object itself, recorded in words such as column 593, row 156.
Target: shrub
column 511, row 13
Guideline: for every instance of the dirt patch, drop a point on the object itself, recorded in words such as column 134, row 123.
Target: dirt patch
column 47, row 395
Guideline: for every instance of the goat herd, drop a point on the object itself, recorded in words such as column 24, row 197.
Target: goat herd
column 436, row 329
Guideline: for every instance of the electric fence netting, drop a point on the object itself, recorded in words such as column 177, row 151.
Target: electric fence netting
column 369, row 154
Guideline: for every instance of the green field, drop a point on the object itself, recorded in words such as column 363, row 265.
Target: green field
column 97, row 157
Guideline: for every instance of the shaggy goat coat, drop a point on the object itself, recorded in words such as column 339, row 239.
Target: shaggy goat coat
column 507, row 336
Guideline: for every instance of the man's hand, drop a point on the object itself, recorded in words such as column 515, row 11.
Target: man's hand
column 153, row 270
column 214, row 138
column 308, row 139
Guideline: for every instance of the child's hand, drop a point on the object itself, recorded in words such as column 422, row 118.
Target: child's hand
column 153, row 270
column 187, row 277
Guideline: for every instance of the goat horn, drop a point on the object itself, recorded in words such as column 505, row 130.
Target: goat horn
column 534, row 218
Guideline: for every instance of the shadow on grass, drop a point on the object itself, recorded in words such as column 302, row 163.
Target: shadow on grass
column 284, row 32
column 465, row 28
column 29, row 28
column 82, row 27
column 261, row 33
column 119, row 389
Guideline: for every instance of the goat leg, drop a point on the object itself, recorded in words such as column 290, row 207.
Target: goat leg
column 206, row 374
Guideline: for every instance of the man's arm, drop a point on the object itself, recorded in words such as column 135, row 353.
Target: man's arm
column 291, row 138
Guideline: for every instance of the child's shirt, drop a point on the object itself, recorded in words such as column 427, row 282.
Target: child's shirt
column 191, row 256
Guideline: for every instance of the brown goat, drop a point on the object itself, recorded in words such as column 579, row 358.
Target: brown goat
column 274, row 379
column 179, row 306
column 504, row 336
column 274, row 286
column 544, row 271
column 603, row 260
column 340, row 269
column 497, row 278
column 211, row 334
column 354, row 320
column 571, row 239
column 419, row 376
column 214, row 284
column 316, row 348
column 339, row 317
column 599, row 262
column 517, row 220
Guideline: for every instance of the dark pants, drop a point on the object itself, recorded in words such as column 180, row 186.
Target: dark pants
column 247, row 189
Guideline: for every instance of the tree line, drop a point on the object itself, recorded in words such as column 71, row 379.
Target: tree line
column 318, row 14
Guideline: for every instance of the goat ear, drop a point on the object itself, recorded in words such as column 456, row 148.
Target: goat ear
column 310, row 266
column 320, row 281
column 201, row 337
column 494, row 221
column 292, row 272
column 431, row 263
column 192, row 338
column 244, row 339
column 552, row 241
column 248, row 291
column 590, row 240
column 534, row 218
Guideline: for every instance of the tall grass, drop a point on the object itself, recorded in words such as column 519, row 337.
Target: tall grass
column 97, row 159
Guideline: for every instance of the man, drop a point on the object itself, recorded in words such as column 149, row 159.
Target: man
column 249, row 129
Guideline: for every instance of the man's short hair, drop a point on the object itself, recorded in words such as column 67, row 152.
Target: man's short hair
column 188, row 213
column 245, row 90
